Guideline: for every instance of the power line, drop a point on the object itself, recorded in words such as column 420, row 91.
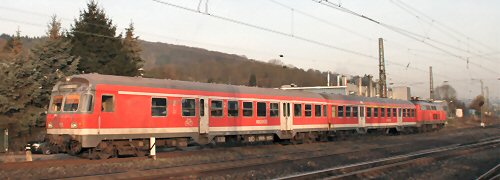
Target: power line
column 445, row 26
column 242, row 23
column 329, row 23
column 283, row 34
column 267, row 29
column 41, row 25
column 402, row 32
column 143, row 32
column 441, row 27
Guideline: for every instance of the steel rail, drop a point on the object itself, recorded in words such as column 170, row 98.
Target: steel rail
column 370, row 166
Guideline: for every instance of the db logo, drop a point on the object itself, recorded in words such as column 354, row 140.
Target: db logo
column 188, row 122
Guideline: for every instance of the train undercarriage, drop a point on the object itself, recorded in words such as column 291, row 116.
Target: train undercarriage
column 107, row 148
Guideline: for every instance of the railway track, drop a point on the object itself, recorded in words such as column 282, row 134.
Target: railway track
column 370, row 169
column 493, row 173
column 245, row 161
column 240, row 161
column 280, row 159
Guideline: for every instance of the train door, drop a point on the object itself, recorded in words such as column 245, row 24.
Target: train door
column 107, row 111
column 203, row 115
column 400, row 117
column 286, row 120
column 361, row 116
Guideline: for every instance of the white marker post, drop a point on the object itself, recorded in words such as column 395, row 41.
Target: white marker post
column 28, row 153
column 152, row 147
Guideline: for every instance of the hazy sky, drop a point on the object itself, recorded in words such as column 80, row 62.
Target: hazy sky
column 477, row 21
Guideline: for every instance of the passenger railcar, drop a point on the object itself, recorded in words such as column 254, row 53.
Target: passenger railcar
column 113, row 115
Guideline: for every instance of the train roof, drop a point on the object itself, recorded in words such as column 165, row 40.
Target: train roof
column 421, row 102
column 96, row 79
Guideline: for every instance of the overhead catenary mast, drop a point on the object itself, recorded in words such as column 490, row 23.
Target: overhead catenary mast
column 381, row 69
column 431, row 84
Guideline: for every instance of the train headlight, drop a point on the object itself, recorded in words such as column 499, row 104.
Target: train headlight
column 74, row 125
column 50, row 125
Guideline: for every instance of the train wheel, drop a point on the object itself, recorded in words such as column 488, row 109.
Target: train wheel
column 74, row 148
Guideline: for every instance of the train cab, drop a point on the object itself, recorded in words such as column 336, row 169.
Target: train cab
column 70, row 110
column 430, row 112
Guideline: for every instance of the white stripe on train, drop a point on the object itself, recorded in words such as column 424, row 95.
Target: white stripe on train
column 112, row 131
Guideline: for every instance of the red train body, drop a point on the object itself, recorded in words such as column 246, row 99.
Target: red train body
column 118, row 115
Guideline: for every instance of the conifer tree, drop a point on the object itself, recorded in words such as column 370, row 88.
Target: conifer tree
column 54, row 28
column 132, row 50
column 93, row 38
column 253, row 80
column 18, row 87
column 53, row 61
column 15, row 44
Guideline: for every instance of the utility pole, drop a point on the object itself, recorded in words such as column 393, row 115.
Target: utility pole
column 370, row 86
column 431, row 81
column 482, row 106
column 487, row 98
column 381, row 69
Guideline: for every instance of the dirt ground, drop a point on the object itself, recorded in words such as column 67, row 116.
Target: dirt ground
column 353, row 149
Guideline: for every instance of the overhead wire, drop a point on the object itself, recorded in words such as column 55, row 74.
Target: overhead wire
column 242, row 23
column 142, row 32
column 266, row 29
column 404, row 33
column 324, row 21
column 446, row 26
column 441, row 28
column 283, row 34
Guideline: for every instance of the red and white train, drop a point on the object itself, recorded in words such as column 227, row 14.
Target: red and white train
column 113, row 115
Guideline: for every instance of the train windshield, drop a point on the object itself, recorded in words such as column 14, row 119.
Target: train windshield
column 56, row 104
column 71, row 103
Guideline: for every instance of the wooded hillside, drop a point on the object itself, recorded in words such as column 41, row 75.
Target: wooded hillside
column 195, row 64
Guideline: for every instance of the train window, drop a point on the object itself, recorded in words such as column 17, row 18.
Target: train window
column 404, row 112
column 334, row 111
column 108, row 104
column 202, row 107
column 408, row 113
column 261, row 109
column 348, row 111
column 273, row 109
column 375, row 112
column 308, row 110
column 158, row 106
column 216, row 108
column 368, row 112
column 89, row 102
column 324, row 111
column 394, row 112
column 382, row 112
column 427, row 107
column 286, row 109
column 232, row 108
column 248, row 109
column 355, row 111
column 362, row 111
column 433, row 107
column 297, row 110
column 389, row 112
column 188, row 107
column 56, row 104
column 71, row 102
column 317, row 110
column 412, row 112
column 340, row 112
